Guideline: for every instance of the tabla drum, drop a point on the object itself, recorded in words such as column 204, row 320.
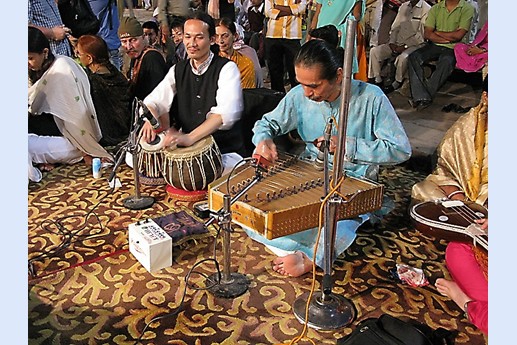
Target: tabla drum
column 150, row 161
column 193, row 168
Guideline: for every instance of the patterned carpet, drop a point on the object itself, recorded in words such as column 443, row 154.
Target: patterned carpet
column 87, row 288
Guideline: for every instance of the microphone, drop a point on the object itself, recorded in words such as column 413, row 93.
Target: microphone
column 145, row 113
column 320, row 159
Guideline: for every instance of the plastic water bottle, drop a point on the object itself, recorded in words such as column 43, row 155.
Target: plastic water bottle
column 96, row 167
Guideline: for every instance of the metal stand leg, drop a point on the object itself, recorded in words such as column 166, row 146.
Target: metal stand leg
column 230, row 284
column 137, row 202
column 327, row 310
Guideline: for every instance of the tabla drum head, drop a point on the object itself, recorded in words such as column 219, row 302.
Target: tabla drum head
column 155, row 145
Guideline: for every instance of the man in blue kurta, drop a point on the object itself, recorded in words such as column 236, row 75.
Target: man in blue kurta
column 375, row 137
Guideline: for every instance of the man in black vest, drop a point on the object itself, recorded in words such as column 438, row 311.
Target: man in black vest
column 199, row 96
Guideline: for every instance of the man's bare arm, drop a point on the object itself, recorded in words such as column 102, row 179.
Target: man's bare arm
column 284, row 10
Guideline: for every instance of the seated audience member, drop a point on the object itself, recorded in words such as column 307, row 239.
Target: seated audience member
column 199, row 96
column 447, row 23
column 177, row 38
column 246, row 50
column 152, row 32
column 406, row 36
column 225, row 33
column 468, row 267
column 461, row 172
column 147, row 66
column 63, row 125
column 375, row 137
column 474, row 56
column 328, row 33
column 109, row 89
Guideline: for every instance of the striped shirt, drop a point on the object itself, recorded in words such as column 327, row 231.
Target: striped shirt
column 289, row 27
column 44, row 13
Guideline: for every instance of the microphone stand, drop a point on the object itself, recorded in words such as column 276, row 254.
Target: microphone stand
column 135, row 202
column 229, row 285
column 327, row 310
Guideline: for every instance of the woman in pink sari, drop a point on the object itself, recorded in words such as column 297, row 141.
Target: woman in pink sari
column 474, row 56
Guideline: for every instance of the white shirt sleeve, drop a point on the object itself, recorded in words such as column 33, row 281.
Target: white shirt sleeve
column 163, row 94
column 228, row 99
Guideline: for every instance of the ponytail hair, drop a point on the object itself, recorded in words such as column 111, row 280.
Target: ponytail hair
column 322, row 53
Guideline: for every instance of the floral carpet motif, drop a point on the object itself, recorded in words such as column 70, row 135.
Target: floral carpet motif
column 87, row 288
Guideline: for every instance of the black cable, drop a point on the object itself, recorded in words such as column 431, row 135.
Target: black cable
column 241, row 162
column 68, row 236
column 188, row 285
column 192, row 270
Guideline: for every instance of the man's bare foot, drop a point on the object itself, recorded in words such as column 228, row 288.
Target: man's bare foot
column 450, row 289
column 46, row 166
column 292, row 265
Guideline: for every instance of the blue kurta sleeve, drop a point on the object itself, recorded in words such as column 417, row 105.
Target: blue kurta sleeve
column 279, row 121
column 375, row 134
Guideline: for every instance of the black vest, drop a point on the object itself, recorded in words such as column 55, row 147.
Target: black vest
column 195, row 95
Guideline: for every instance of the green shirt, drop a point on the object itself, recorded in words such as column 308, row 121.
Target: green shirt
column 440, row 19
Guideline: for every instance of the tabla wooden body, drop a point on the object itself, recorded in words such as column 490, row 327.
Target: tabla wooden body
column 193, row 168
column 150, row 162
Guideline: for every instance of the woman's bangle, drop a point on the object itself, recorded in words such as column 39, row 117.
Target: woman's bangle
column 454, row 193
column 466, row 309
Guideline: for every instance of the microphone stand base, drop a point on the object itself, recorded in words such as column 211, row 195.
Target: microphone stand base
column 234, row 287
column 134, row 203
column 336, row 312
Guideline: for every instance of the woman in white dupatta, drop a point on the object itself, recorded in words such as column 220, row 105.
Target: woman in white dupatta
column 60, row 91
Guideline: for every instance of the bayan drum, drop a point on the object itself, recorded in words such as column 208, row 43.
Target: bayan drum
column 150, row 161
column 192, row 168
